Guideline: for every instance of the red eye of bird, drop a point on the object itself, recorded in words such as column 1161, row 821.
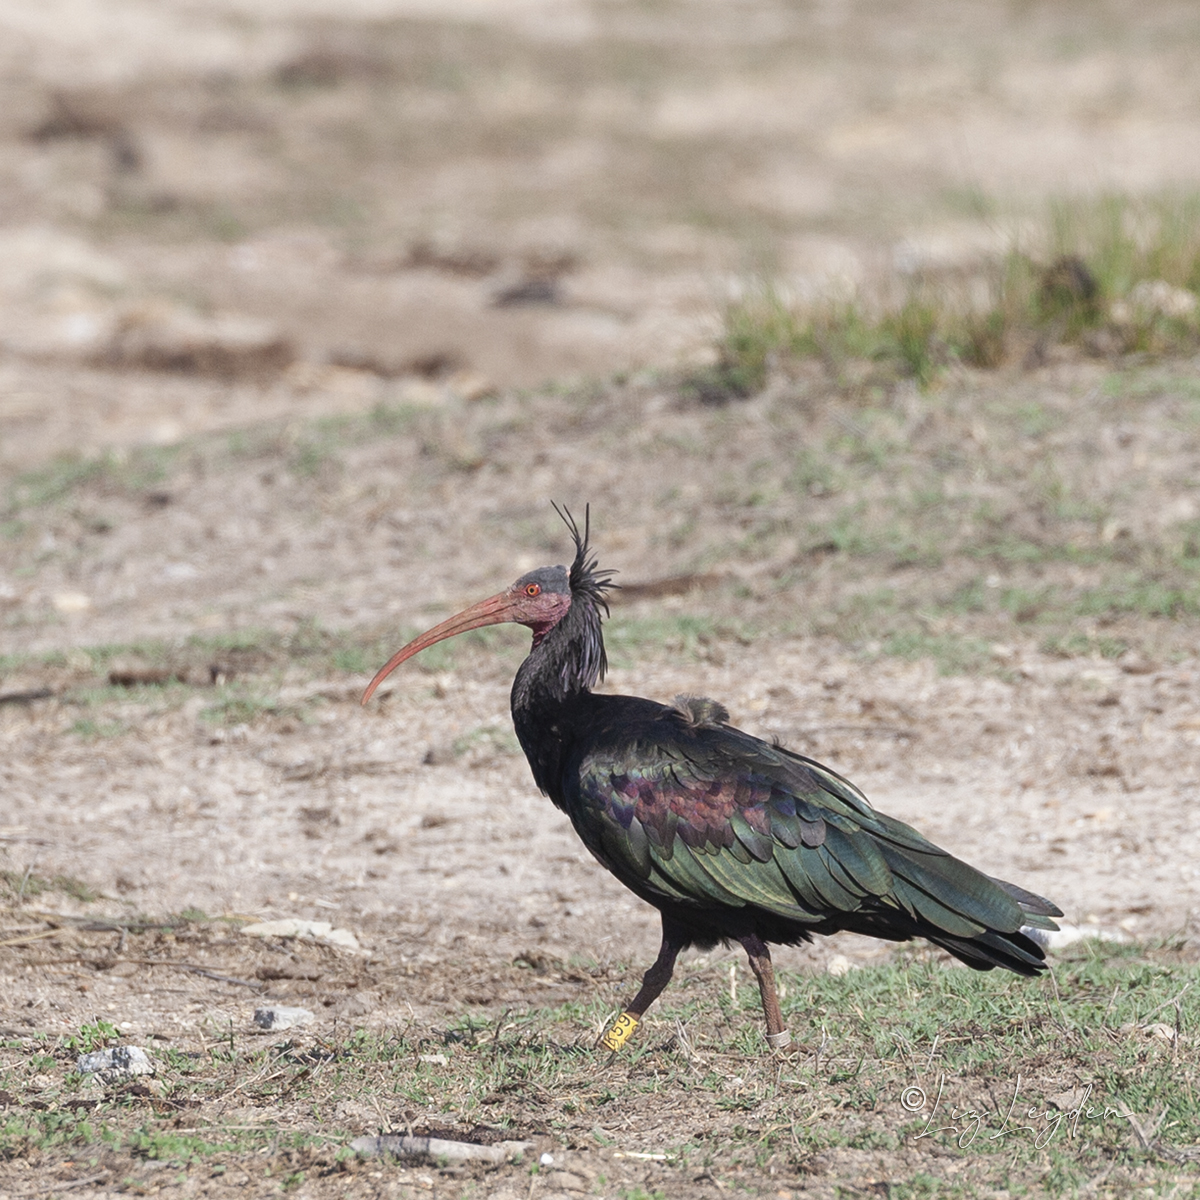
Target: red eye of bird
column 532, row 589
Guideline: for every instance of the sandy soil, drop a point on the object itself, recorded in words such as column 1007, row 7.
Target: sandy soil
column 374, row 184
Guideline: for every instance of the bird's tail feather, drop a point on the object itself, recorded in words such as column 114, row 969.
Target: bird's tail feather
column 973, row 916
column 1014, row 951
column 1037, row 909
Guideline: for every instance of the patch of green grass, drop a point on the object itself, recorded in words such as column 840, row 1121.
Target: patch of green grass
column 93, row 1035
column 389, row 419
column 128, row 472
column 1084, row 645
column 240, row 704
column 755, row 329
column 90, row 730
column 498, row 739
column 311, row 457
column 357, row 660
column 954, row 654
column 179, row 1149
column 252, row 649
column 1033, row 419
column 895, row 620
column 307, row 449
column 848, row 531
column 1144, row 597
column 629, row 638
column 813, row 475
column 315, row 447
column 312, row 447
column 1027, row 604
column 1024, row 533
column 48, row 484
column 57, row 1133
column 1046, row 603
column 913, row 333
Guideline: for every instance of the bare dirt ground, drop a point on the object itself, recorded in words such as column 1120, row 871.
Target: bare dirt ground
column 408, row 213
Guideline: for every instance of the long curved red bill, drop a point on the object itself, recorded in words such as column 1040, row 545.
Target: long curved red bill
column 495, row 610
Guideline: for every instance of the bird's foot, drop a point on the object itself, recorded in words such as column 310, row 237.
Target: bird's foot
column 779, row 1041
column 620, row 1033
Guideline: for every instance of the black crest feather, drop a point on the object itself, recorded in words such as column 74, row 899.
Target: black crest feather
column 586, row 576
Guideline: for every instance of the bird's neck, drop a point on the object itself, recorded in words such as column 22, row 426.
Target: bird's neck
column 562, row 666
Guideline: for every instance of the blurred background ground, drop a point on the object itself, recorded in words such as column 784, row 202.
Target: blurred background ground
column 308, row 311
column 511, row 193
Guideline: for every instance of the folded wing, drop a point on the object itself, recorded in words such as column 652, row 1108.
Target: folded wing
column 710, row 818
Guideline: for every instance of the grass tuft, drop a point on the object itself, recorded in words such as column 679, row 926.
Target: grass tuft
column 21, row 885
column 1117, row 276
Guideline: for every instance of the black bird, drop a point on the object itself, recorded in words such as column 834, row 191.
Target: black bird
column 728, row 836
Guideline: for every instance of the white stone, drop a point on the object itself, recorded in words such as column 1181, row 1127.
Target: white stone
column 71, row 602
column 281, row 1016
column 116, row 1063
column 437, row 1148
column 289, row 927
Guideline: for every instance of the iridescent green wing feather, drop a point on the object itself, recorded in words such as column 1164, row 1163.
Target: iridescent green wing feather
column 713, row 817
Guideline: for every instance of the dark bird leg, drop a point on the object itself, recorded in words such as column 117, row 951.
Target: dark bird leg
column 653, row 983
column 760, row 963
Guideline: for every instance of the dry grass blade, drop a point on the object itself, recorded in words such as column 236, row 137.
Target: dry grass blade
column 1174, row 1000
column 55, row 1185
column 1146, row 1134
column 25, row 697
column 195, row 970
column 31, row 937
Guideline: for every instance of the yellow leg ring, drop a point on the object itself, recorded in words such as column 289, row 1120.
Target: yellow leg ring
column 620, row 1033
